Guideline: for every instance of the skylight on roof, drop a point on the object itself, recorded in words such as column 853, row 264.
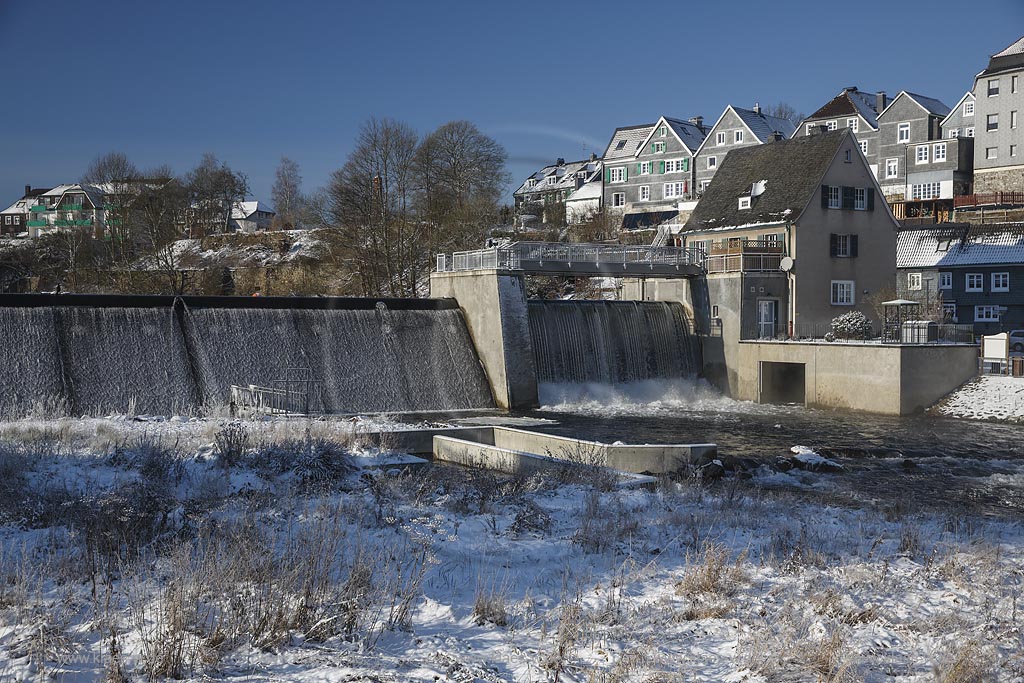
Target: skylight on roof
column 620, row 145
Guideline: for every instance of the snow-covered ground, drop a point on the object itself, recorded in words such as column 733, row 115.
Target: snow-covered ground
column 146, row 556
column 987, row 397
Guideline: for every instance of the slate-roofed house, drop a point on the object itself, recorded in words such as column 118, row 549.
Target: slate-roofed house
column 795, row 234
column 67, row 207
column 853, row 109
column 545, row 194
column 999, row 143
column 908, row 120
column 14, row 219
column 648, row 171
column 251, row 216
column 960, row 121
column 736, row 128
column 974, row 272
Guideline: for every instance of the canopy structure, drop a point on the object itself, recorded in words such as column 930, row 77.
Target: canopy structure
column 897, row 312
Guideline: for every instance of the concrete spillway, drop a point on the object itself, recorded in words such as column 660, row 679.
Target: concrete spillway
column 88, row 355
column 611, row 342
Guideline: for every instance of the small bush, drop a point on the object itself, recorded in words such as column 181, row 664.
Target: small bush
column 313, row 462
column 231, row 441
column 852, row 325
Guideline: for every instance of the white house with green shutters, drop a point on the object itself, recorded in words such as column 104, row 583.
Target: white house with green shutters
column 648, row 171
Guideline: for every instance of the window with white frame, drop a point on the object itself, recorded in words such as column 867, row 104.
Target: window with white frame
column 832, row 125
column 863, row 144
column 618, row 199
column 848, row 156
column 842, row 293
column 860, row 198
column 852, row 124
column 984, row 314
column 704, row 186
column 673, row 190
column 914, row 281
column 974, row 282
column 712, row 162
column 1013, row 119
column 946, row 280
column 658, row 147
column 645, row 193
column 737, row 136
column 835, row 197
column 992, row 122
column 969, row 108
column 617, row 175
column 993, row 87
column 922, row 154
column 949, row 311
column 919, row 191
column 1013, row 150
column 720, row 138
column 953, row 133
column 991, row 153
column 744, row 203
column 969, row 132
column 1000, row 282
column 892, row 168
column 676, row 166
column 1013, row 84
column 842, row 245
column 663, row 131
column 645, row 168
column 903, row 132
column 810, row 128
column 939, row 152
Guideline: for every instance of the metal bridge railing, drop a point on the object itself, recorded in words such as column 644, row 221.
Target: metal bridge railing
column 513, row 256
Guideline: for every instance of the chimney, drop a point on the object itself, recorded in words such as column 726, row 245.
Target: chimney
column 776, row 136
column 28, row 188
column 850, row 88
column 593, row 156
column 818, row 129
column 757, row 108
column 881, row 102
column 697, row 121
column 560, row 162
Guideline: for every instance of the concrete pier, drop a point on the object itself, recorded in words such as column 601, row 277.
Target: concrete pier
column 493, row 302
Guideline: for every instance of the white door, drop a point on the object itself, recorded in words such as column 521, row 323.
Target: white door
column 767, row 316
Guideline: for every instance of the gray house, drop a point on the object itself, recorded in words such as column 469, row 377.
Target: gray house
column 959, row 122
column 908, row 120
column 999, row 146
column 648, row 171
column 735, row 129
column 795, row 234
column 546, row 194
column 974, row 274
column 851, row 109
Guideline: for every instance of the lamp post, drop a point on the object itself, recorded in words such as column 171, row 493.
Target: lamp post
column 928, row 297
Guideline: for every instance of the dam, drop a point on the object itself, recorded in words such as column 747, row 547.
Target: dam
column 95, row 355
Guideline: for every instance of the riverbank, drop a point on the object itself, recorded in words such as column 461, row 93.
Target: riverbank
column 987, row 397
column 290, row 561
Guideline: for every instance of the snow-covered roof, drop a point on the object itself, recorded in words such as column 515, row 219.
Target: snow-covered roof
column 1015, row 48
column 563, row 176
column 242, row 210
column 929, row 104
column 958, row 245
column 588, row 191
column 762, row 125
column 849, row 101
column 627, row 141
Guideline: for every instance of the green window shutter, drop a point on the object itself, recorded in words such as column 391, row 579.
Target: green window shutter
column 625, row 172
column 661, row 165
column 607, row 175
column 638, row 169
column 686, row 164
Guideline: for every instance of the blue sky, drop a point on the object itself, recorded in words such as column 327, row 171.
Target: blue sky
column 165, row 82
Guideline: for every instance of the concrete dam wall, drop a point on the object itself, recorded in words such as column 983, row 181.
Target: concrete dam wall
column 92, row 355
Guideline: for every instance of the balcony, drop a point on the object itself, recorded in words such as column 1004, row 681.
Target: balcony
column 749, row 256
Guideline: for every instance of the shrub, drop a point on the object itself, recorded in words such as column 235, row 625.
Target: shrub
column 852, row 325
column 231, row 442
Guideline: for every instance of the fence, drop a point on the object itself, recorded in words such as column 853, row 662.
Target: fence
column 515, row 255
column 989, row 199
column 891, row 334
column 298, row 394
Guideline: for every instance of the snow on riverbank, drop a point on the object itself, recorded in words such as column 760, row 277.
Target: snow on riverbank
column 281, row 567
column 987, row 397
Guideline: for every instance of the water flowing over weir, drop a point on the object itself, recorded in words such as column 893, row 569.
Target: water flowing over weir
column 165, row 355
column 611, row 342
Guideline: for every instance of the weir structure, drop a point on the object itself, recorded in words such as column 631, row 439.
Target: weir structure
column 521, row 342
column 97, row 354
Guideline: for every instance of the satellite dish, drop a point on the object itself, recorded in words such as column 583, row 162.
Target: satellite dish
column 786, row 264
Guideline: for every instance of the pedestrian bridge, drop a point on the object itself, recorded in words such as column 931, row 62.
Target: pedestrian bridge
column 579, row 260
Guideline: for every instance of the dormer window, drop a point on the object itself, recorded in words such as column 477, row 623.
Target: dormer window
column 620, row 144
column 552, row 180
column 744, row 203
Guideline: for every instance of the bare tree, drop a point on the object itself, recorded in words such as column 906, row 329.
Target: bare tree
column 160, row 212
column 784, row 110
column 214, row 190
column 287, row 194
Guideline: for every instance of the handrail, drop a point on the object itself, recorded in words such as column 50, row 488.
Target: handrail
column 514, row 256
